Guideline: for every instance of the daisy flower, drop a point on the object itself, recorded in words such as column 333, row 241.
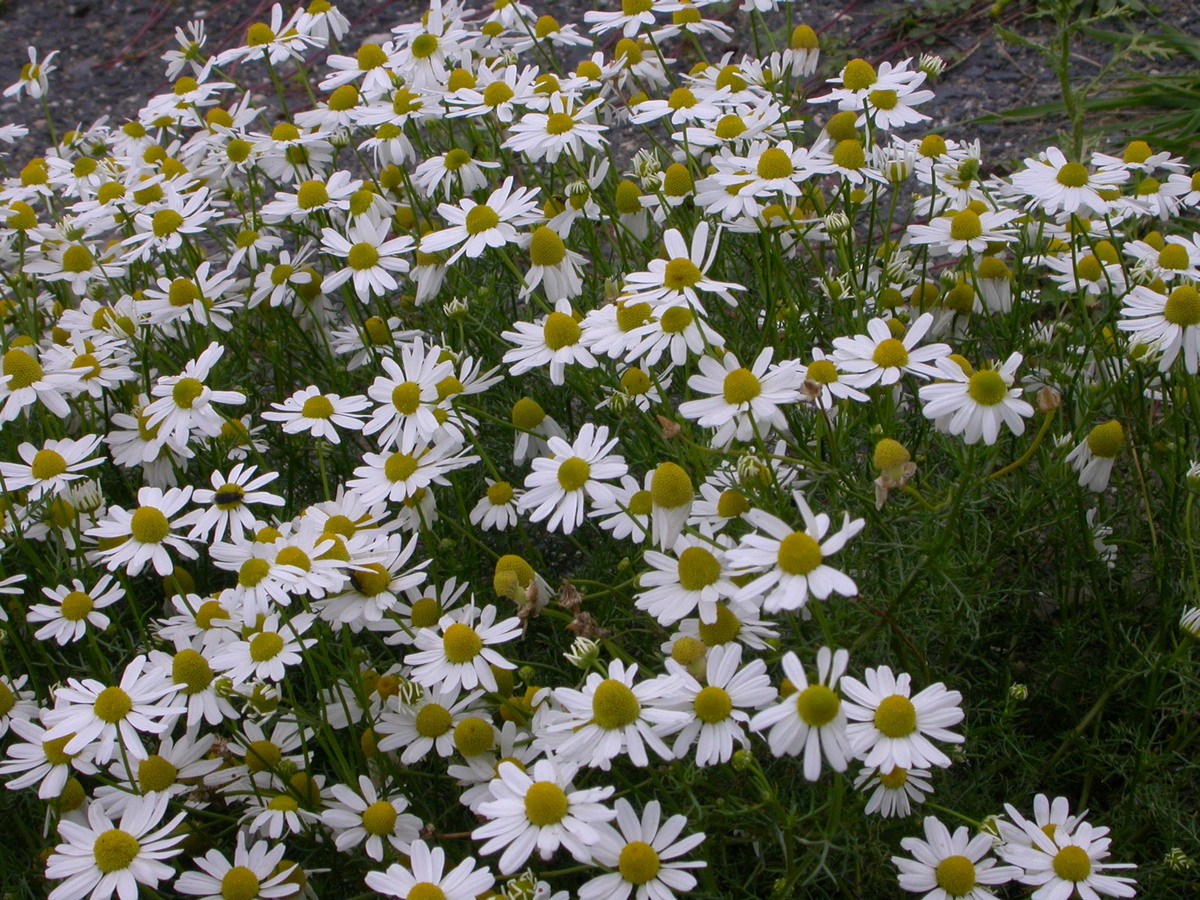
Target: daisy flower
column 90, row 712
column 267, row 653
column 822, row 384
column 1095, row 455
column 951, row 865
column 976, row 405
column 564, row 128
column 677, row 330
column 669, row 282
column 102, row 858
column 425, row 875
column 1067, row 864
column 477, row 226
column 175, row 768
column 557, row 486
column 458, row 651
column 889, row 729
column 74, row 609
column 145, row 534
column 644, row 855
column 719, row 704
column 34, row 760
column 633, row 16
column 955, row 234
column 1053, row 184
column 362, row 816
column 24, row 382
column 792, row 562
column 191, row 671
column 177, row 216
column 400, row 475
column 50, row 469
column 228, row 504
column 553, row 340
column 370, row 257
column 895, row 790
column 540, row 809
column 407, row 395
column 1049, row 817
column 552, row 266
column 312, row 412
column 878, row 357
column 32, row 80
column 16, row 705
column 743, row 402
column 426, row 724
column 186, row 404
column 1167, row 323
column 497, row 508
column 453, row 171
column 255, row 873
column 613, row 715
column 811, row 720
column 696, row 575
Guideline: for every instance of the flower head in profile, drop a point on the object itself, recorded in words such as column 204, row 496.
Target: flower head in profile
column 32, row 80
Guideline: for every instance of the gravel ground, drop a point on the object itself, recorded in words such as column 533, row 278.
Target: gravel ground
column 109, row 53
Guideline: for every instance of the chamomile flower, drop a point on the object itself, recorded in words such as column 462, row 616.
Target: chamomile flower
column 228, row 504
column 407, row 394
column 743, row 403
column 976, row 405
column 695, row 575
column 454, row 171
column 32, row 80
column 268, row 651
column 954, row 234
column 318, row 414
column 559, row 486
column 670, row 282
column 424, row 724
column 74, row 609
column 553, row 267
column 879, row 357
column 363, row 817
column 720, row 704
column 102, row 857
column 894, row 790
column 634, row 15
column 255, row 873
column 540, row 809
column 811, row 720
column 644, row 856
column 458, row 651
column 554, row 340
column 477, row 226
column 1051, row 183
column 425, row 870
column 1094, row 456
column 794, row 561
column 1166, row 322
column 186, row 404
column 563, row 128
column 951, row 865
column 16, row 703
column 1067, row 863
column 35, row 760
column 49, row 470
column 90, row 712
column 370, row 257
column 889, row 729
column 1050, row 818
column 399, row 475
column 24, row 382
column 614, row 715
column 146, row 533
column 497, row 508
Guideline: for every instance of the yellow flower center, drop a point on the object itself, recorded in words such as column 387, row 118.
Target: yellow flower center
column 956, row 876
column 896, row 717
column 191, row 670
column 698, row 569
column 560, row 330
column 239, row 883
column 573, row 474
column 680, row 274
column 265, row 645
column 614, row 706
column 433, row 721
column 545, row 804
column 635, row 382
column 636, row 7
column 1072, row 864
column 895, row 779
column 858, row 75
column 149, row 525
column 987, row 388
column 461, row 644
column 22, row 369
column 965, row 226
column 631, row 315
column 53, row 750
column 713, row 705
column 47, row 464
column 480, row 219
column 263, row 755
column 890, row 354
column 373, row 581
column 166, row 222
column 424, row 890
column 406, row 397
column 424, row 46
column 639, row 863
column 112, row 705
column 681, row 98
column 496, row 93
column 473, row 736
column 675, row 320
column 186, row 392
column 155, row 774
column 283, row 803
column 399, row 467
column 723, row 631
column 379, row 818
column 546, row 248
column 849, row 154
column 312, row 194
column 799, row 554
column 317, row 407
column 822, row 371
column 671, row 487
column 817, row 705
column 1106, row 440
column 76, row 606
column 732, row 504
column 1073, row 175
column 883, row 99
column 641, row 503
column 1183, row 306
column 362, row 256
column 500, row 493
column 77, row 259
column 741, row 386
column 559, row 123
column 208, row 612
column 115, row 850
